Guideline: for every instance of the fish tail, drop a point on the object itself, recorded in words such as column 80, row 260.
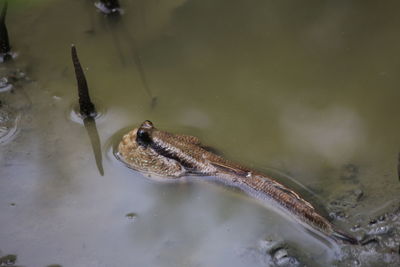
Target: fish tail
column 342, row 236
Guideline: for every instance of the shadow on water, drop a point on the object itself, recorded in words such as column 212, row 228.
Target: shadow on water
column 90, row 126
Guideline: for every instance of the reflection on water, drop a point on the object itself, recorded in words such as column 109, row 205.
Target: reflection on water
column 90, row 125
column 306, row 88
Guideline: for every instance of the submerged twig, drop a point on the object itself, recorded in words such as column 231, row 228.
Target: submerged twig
column 5, row 47
column 110, row 23
column 112, row 7
column 139, row 65
column 90, row 125
column 86, row 107
column 87, row 110
column 142, row 74
column 89, row 6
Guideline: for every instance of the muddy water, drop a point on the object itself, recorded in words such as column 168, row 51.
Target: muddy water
column 309, row 89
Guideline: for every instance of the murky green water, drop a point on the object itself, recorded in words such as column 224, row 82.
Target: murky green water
column 308, row 88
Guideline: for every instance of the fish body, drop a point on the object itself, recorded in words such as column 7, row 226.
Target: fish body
column 168, row 155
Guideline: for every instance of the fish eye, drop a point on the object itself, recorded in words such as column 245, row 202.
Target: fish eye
column 147, row 125
column 142, row 137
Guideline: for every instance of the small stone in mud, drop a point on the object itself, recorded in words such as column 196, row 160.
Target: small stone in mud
column 4, row 84
column 12, row 204
column 338, row 215
column 131, row 215
column 282, row 258
column 17, row 75
column 372, row 222
column 358, row 193
column 381, row 230
column 278, row 253
column 382, row 218
column 355, row 227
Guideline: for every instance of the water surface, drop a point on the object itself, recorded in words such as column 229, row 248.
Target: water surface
column 310, row 89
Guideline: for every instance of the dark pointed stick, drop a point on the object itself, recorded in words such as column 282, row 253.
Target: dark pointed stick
column 87, row 110
column 5, row 47
column 86, row 107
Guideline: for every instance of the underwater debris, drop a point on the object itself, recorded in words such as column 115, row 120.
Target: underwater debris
column 112, row 10
column 142, row 74
column 349, row 173
column 139, row 65
column 109, row 7
column 86, row 107
column 13, row 78
column 131, row 215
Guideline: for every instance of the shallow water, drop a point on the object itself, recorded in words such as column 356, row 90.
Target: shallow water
column 310, row 89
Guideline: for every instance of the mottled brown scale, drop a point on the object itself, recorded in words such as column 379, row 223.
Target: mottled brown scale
column 168, row 155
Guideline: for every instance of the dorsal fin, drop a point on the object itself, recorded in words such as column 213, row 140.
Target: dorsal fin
column 188, row 138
